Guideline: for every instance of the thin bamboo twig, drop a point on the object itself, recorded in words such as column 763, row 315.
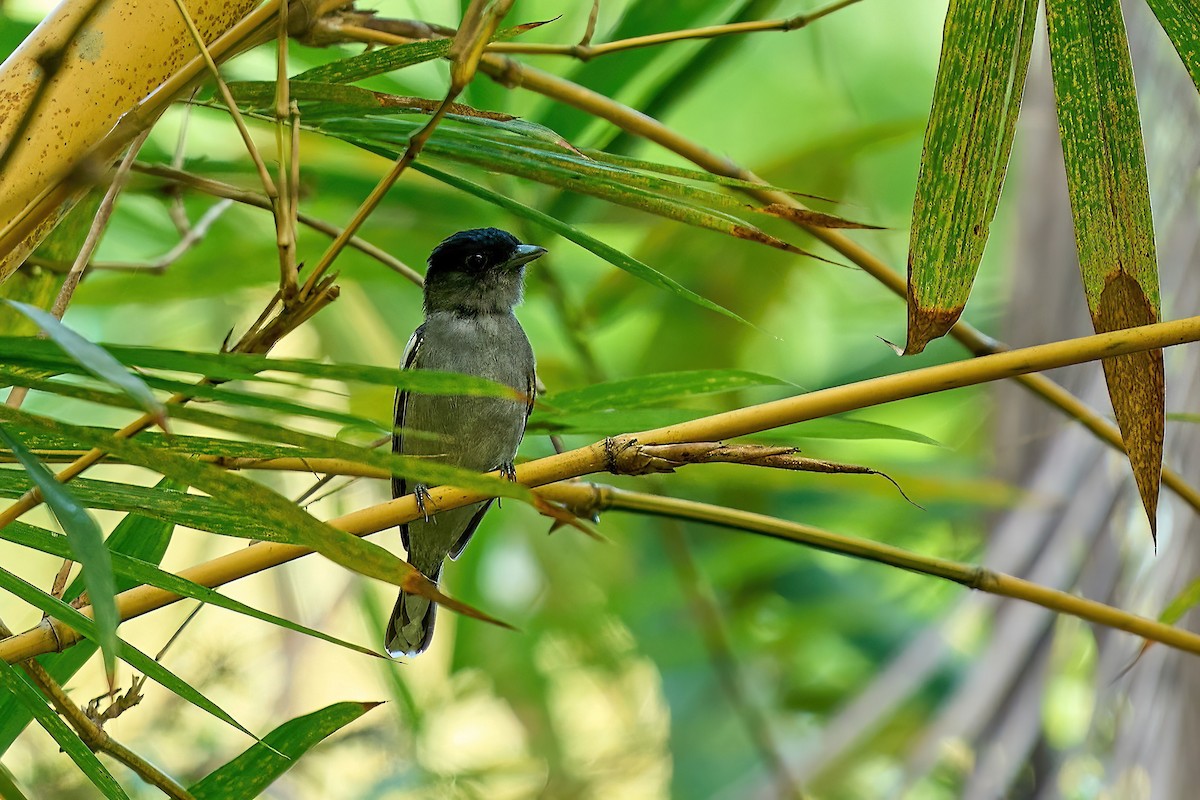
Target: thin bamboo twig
column 609, row 454
column 239, row 195
column 264, row 174
column 586, row 52
column 285, row 221
column 193, row 234
column 99, row 222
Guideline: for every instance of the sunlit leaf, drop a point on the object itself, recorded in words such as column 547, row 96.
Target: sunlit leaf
column 981, row 75
column 254, row 770
column 648, row 390
column 1110, row 202
column 136, row 536
column 136, row 572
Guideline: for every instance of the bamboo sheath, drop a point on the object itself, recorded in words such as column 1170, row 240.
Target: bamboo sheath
column 606, row 455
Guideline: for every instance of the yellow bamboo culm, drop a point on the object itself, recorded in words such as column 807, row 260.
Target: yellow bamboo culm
column 64, row 90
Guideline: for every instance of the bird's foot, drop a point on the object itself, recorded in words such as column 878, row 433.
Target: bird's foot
column 421, row 492
column 508, row 471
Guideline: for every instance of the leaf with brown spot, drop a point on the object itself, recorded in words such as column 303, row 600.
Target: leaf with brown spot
column 815, row 219
column 981, row 75
column 1110, row 202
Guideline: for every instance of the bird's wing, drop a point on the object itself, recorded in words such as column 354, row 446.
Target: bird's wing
column 465, row 537
column 407, row 361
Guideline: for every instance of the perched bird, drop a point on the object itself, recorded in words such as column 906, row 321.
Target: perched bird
column 475, row 278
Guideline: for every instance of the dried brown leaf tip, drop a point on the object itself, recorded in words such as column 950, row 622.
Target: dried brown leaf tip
column 814, row 219
column 1136, row 386
column 927, row 324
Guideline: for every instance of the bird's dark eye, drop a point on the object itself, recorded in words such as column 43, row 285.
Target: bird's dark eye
column 476, row 261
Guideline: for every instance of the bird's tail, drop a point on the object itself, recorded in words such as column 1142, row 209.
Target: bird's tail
column 410, row 627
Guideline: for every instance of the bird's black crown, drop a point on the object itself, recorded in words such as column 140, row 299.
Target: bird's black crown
column 473, row 251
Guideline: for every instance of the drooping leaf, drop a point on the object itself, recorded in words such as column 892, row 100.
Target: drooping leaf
column 981, row 76
column 1110, row 202
column 648, row 390
column 87, row 547
column 389, row 59
column 17, row 686
column 95, row 359
column 255, row 769
column 1181, row 20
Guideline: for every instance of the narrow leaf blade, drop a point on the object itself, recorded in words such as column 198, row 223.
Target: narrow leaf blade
column 95, row 359
column 87, row 547
column 1110, row 202
column 981, row 75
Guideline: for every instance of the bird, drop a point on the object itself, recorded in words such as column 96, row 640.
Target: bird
column 474, row 281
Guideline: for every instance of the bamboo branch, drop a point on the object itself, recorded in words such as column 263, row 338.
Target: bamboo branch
column 239, row 195
column 52, row 635
column 586, row 52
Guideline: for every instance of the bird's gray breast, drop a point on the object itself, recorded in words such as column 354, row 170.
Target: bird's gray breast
column 475, row 432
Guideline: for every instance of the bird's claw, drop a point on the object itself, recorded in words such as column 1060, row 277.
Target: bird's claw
column 421, row 492
column 508, row 471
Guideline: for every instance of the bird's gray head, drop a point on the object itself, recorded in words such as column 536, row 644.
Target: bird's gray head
column 480, row 271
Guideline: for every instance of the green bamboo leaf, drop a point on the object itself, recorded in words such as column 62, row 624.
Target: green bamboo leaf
column 95, row 359
column 649, row 390
column 16, row 686
column 136, row 572
column 1181, row 603
column 610, row 254
column 8, row 785
column 376, row 62
column 1181, row 20
column 976, row 99
column 87, row 547
column 52, row 447
column 1110, row 202
column 166, row 505
column 389, row 59
column 254, row 770
column 242, row 366
column 645, row 191
column 132, row 656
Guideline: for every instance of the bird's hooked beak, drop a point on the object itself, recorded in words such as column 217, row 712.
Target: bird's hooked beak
column 524, row 254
